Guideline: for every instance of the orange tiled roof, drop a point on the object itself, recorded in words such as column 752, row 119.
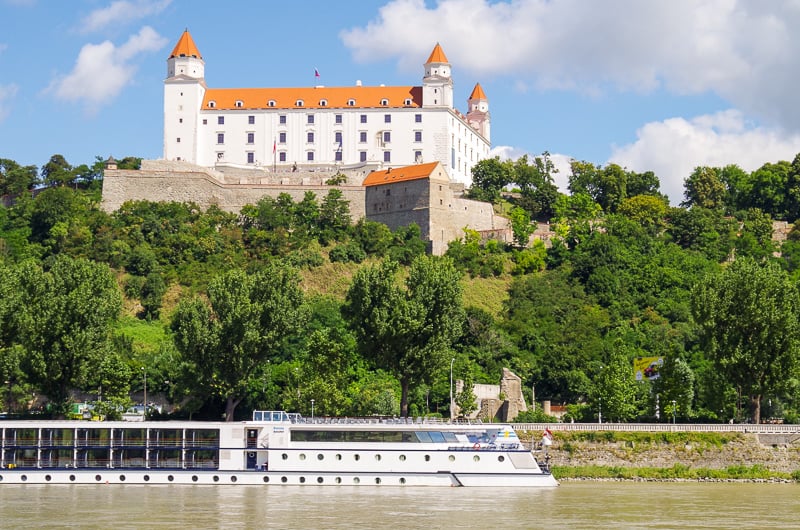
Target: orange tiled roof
column 437, row 55
column 400, row 174
column 312, row 97
column 185, row 47
column 477, row 92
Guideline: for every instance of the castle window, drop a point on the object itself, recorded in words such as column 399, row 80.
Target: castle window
column 337, row 137
column 251, row 120
column 362, row 137
column 351, row 103
column 323, row 103
column 338, row 156
column 418, row 157
column 220, row 120
column 387, row 136
column 251, row 137
column 179, row 140
column 212, row 104
column 282, row 156
column 310, row 137
column 417, row 118
column 250, row 157
column 310, row 156
column 298, row 103
column 387, row 156
column 417, row 136
column 220, row 138
column 363, row 118
column 282, row 119
column 282, row 137
column 362, row 156
column 384, row 102
column 407, row 103
column 239, row 104
column 271, row 103
column 387, row 118
column 205, row 121
column 180, row 120
column 338, row 118
column 310, row 119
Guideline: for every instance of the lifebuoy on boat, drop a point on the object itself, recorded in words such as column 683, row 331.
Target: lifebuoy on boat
column 476, row 447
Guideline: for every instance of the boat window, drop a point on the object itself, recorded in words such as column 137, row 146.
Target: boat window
column 437, row 437
column 449, row 437
column 452, row 458
column 424, row 437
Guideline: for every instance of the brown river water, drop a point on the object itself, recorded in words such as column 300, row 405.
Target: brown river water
column 598, row 505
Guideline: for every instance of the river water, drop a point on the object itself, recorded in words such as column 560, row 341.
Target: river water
column 572, row 505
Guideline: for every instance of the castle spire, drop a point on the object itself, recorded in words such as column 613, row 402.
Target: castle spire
column 186, row 47
column 437, row 55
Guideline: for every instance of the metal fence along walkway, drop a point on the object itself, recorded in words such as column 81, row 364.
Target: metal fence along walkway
column 764, row 428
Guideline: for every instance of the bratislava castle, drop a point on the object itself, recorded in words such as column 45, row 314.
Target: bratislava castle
column 282, row 128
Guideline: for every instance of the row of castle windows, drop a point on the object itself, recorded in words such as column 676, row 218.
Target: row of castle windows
column 300, row 103
column 362, row 137
column 310, row 156
column 251, row 120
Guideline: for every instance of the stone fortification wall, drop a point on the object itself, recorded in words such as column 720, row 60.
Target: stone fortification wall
column 162, row 180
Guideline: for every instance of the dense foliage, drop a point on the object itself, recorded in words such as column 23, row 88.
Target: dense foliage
column 288, row 304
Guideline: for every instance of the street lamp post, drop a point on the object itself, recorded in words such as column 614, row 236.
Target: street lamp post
column 600, row 411
column 452, row 408
column 674, row 408
column 144, row 412
column 312, row 409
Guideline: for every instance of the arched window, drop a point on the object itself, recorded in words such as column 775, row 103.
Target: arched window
column 239, row 104
column 323, row 103
column 351, row 103
column 298, row 103
column 384, row 102
column 271, row 103
column 212, row 104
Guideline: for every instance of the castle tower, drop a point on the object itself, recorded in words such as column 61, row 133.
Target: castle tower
column 437, row 84
column 478, row 114
column 184, row 89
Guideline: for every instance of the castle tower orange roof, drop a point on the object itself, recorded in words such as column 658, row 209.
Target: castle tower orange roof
column 477, row 92
column 185, row 47
column 437, row 55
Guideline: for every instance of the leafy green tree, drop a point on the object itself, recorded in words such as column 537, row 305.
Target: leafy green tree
column 675, row 383
column 61, row 318
column 606, row 186
column 616, row 392
column 57, row 171
column 521, row 226
column 539, row 192
column 648, row 210
column 704, row 189
column 407, row 331
column 466, row 400
column 15, row 179
column 407, row 244
column 334, row 217
column 247, row 323
column 489, row 177
column 748, row 318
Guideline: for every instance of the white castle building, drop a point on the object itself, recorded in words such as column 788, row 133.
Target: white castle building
column 389, row 126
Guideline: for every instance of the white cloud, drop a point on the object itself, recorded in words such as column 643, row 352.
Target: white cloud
column 673, row 148
column 122, row 11
column 741, row 50
column 7, row 92
column 103, row 70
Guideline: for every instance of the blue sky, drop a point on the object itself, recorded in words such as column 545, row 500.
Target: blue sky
column 662, row 86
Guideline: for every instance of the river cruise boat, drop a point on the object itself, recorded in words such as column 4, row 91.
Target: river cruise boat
column 274, row 448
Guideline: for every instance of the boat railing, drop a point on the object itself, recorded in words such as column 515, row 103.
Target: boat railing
column 487, row 447
column 271, row 416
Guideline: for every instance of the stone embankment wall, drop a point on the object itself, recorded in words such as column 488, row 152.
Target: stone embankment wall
column 776, row 452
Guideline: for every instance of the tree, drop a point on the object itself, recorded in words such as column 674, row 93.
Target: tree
column 407, row 331
column 748, row 318
column 14, row 179
column 57, row 171
column 246, row 324
column 521, row 226
column 489, row 177
column 62, row 318
column 616, row 390
column 704, row 188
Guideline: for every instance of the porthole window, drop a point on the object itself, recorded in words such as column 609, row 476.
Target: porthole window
column 266, row 479
column 25, row 478
column 476, row 458
column 284, row 480
column 285, row 456
column 122, row 478
column 216, row 478
column 170, row 478
column 501, row 458
column 302, row 480
column 377, row 480
column 302, row 456
column 320, row 456
column 356, row 480
column 72, row 478
column 402, row 458
column 452, row 458
column 234, row 479
column 427, row 458
column 147, row 478
column 338, row 480
column 338, row 457
column 194, row 478
column 402, row 480
column 48, row 478
column 320, row 480
column 378, row 458
column 357, row 457
column 98, row 478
